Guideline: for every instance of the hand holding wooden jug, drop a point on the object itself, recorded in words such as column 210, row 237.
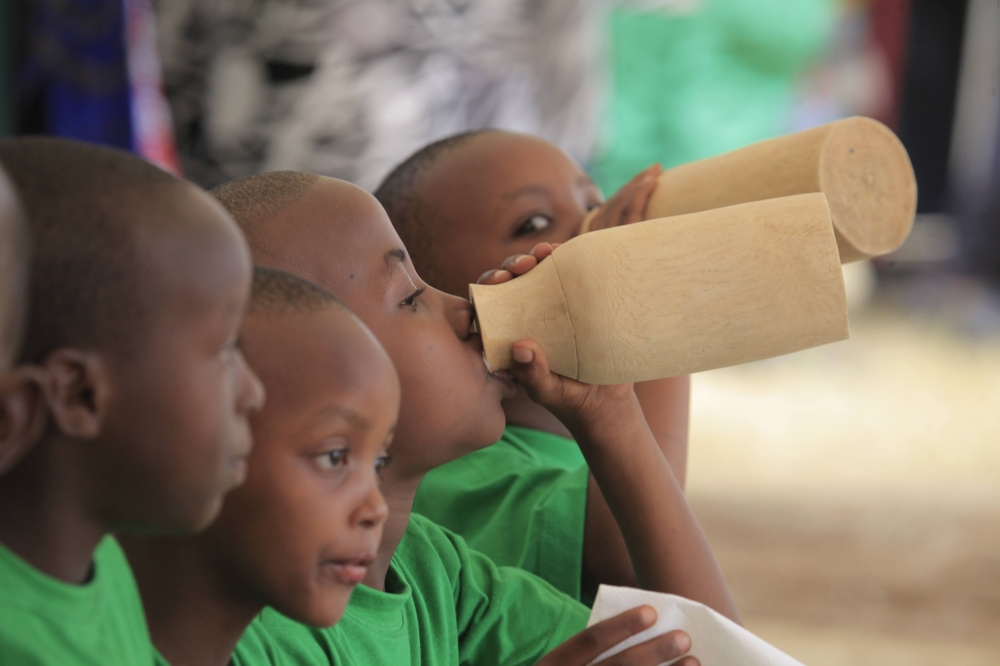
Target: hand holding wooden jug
column 725, row 284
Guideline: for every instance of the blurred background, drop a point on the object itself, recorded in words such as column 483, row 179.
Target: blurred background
column 852, row 492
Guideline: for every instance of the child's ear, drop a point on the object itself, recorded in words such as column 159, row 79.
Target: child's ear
column 78, row 391
column 22, row 413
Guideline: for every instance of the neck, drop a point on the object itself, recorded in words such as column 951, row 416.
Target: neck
column 45, row 513
column 521, row 411
column 195, row 618
column 399, row 492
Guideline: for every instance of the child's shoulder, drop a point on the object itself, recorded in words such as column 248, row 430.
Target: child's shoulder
column 522, row 502
column 47, row 621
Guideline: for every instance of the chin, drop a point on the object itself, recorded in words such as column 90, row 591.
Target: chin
column 490, row 426
column 195, row 519
column 211, row 513
column 326, row 614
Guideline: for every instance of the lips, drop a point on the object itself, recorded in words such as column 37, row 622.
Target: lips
column 350, row 570
column 505, row 377
column 239, row 467
column 238, row 461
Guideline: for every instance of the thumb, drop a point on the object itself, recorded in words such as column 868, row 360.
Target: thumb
column 531, row 368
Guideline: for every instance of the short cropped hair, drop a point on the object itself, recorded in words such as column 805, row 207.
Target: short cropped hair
column 276, row 292
column 84, row 207
column 412, row 217
column 252, row 200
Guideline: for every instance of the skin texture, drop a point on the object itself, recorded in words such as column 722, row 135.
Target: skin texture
column 338, row 236
column 153, row 441
column 12, row 273
column 20, row 396
column 311, row 503
column 492, row 198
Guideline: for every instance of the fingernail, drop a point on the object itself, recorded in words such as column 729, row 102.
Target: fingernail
column 503, row 272
column 683, row 642
column 648, row 615
column 523, row 355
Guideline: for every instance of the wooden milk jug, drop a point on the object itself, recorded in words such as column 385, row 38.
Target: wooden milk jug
column 858, row 163
column 677, row 295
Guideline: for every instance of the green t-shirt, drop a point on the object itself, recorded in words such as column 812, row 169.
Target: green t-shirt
column 522, row 502
column 46, row 621
column 444, row 605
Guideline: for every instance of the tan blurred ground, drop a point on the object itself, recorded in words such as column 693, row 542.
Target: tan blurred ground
column 852, row 494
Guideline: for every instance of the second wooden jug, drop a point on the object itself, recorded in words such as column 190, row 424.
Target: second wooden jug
column 676, row 295
column 858, row 163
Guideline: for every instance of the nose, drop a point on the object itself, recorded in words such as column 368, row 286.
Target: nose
column 250, row 396
column 459, row 313
column 373, row 510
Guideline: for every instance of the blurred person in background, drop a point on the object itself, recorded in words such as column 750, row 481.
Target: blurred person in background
column 694, row 79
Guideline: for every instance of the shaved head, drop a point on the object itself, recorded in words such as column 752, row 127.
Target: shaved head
column 280, row 240
column 92, row 215
column 13, row 272
column 414, row 218
column 276, row 292
column 253, row 200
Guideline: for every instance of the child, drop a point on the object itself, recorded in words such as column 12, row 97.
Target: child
column 303, row 529
column 462, row 205
column 13, row 265
column 428, row 598
column 137, row 286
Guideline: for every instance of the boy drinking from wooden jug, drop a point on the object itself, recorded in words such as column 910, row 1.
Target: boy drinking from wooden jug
column 428, row 598
column 462, row 206
column 137, row 286
column 300, row 534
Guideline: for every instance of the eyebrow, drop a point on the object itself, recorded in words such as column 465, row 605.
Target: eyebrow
column 348, row 415
column 527, row 189
column 584, row 180
column 394, row 258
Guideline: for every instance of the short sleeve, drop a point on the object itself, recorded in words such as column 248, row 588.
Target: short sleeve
column 504, row 615
column 522, row 502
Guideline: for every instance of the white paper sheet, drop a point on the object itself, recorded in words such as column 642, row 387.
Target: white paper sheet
column 716, row 641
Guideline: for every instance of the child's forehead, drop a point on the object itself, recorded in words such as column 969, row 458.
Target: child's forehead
column 319, row 361
column 338, row 236
column 502, row 153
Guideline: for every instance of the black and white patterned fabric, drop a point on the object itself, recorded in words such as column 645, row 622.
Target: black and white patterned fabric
column 349, row 88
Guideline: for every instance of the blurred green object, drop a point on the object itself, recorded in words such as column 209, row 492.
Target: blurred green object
column 692, row 84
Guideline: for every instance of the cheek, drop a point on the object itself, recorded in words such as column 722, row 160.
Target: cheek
column 209, row 409
column 438, row 371
column 266, row 531
column 179, row 407
column 444, row 389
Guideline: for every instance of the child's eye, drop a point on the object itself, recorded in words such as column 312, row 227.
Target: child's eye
column 381, row 463
column 533, row 224
column 411, row 301
column 333, row 459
